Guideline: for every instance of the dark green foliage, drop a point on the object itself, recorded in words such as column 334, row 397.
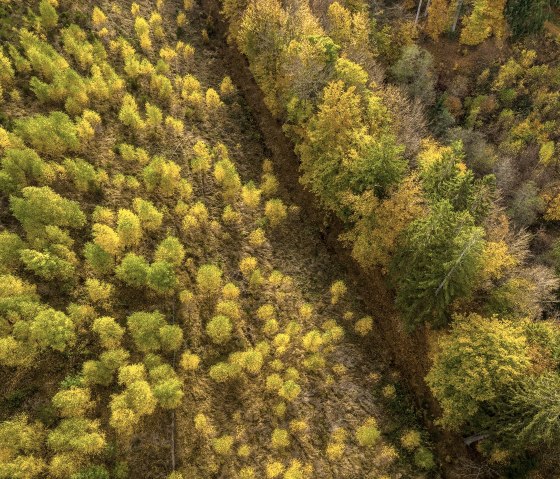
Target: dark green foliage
column 476, row 366
column 92, row 472
column 71, row 381
column 533, row 411
column 528, row 16
column 82, row 174
column 102, row 371
column 161, row 277
column 49, row 17
column 145, row 330
column 161, row 174
column 98, row 259
column 78, row 435
column 424, row 459
column 447, row 178
column 168, row 389
column 41, row 56
column 10, row 246
column 47, row 265
column 436, row 263
column 21, row 167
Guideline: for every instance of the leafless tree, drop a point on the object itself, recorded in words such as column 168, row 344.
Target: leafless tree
column 469, row 469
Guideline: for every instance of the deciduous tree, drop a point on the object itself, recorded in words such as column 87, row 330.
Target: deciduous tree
column 474, row 367
column 41, row 207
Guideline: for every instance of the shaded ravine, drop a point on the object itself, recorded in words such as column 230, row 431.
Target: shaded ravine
column 408, row 353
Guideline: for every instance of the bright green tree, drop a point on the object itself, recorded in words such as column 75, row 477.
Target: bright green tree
column 20, row 167
column 162, row 175
column 133, row 270
column 10, row 246
column 98, row 259
column 53, row 329
column 41, row 207
column 150, row 217
column 145, row 330
column 161, row 277
column 129, row 115
column 170, row 250
column 169, row 392
column 476, row 364
column 47, row 265
column 445, row 176
column 532, row 413
column 48, row 16
column 368, row 433
column 358, row 156
column 51, row 135
column 171, row 337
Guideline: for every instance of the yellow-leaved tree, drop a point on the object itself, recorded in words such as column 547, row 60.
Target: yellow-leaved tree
column 487, row 18
column 378, row 223
column 438, row 18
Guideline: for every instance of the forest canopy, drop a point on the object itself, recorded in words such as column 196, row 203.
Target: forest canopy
column 220, row 219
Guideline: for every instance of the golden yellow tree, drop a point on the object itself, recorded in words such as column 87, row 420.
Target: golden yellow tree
column 378, row 223
column 487, row 18
column 438, row 18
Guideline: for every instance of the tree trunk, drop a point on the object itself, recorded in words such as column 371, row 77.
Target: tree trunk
column 477, row 437
column 457, row 14
column 427, row 7
column 418, row 11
